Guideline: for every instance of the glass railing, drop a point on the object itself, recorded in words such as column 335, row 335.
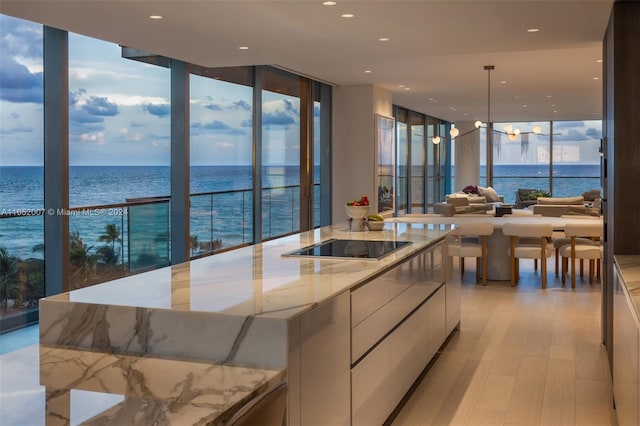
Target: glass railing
column 112, row 241
column 571, row 186
column 507, row 186
column 21, row 267
column 220, row 220
column 566, row 186
column 280, row 211
column 115, row 240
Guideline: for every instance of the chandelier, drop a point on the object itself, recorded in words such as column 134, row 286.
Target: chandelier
column 509, row 130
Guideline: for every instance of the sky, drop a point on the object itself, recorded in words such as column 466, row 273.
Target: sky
column 119, row 109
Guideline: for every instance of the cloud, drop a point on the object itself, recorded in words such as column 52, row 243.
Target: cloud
column 20, row 38
column 593, row 133
column 20, row 128
column 288, row 106
column 567, row 124
column 18, row 84
column 223, row 145
column 316, row 110
column 279, row 118
column 214, row 107
column 98, row 105
column 571, row 135
column 159, row 110
column 246, row 123
column 217, row 127
column 243, row 105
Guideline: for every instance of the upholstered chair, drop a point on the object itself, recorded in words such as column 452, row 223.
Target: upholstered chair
column 591, row 251
column 470, row 240
column 522, row 246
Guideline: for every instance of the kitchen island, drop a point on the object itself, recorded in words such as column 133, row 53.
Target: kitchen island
column 350, row 334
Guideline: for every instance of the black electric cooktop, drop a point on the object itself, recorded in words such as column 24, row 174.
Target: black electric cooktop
column 349, row 249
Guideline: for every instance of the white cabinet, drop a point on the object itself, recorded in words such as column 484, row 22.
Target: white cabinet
column 324, row 385
column 436, row 321
column 393, row 342
column 625, row 356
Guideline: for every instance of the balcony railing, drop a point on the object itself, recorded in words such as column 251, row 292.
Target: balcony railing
column 115, row 240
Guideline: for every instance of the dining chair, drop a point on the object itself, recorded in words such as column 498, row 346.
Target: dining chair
column 523, row 246
column 591, row 250
column 470, row 240
column 563, row 240
column 266, row 409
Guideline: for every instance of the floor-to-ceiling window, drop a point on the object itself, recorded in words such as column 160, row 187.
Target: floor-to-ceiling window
column 22, row 281
column 576, row 157
column 559, row 157
column 221, row 150
column 521, row 157
column 418, row 165
column 402, row 160
column 119, row 162
column 119, row 153
column 280, row 153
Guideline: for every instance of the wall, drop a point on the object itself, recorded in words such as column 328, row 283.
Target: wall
column 353, row 144
column 621, row 129
column 467, row 155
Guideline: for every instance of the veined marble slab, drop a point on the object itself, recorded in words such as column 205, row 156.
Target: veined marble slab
column 156, row 391
column 629, row 266
column 231, row 307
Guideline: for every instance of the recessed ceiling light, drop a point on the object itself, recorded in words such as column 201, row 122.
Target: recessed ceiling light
column 598, row 60
column 407, row 88
column 524, row 106
column 400, row 85
column 533, row 30
column 367, row 71
column 549, row 96
column 596, row 78
column 155, row 17
column 452, row 108
column 555, row 110
column 328, row 3
column 465, row 114
column 516, row 97
column 553, row 105
column 503, row 82
column 383, row 39
column 243, row 48
column 347, row 15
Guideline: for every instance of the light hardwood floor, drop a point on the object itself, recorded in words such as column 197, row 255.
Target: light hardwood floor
column 523, row 356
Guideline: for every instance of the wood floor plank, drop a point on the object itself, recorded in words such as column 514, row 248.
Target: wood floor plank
column 523, row 356
column 525, row 406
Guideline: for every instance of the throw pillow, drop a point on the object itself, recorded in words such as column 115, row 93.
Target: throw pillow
column 489, row 193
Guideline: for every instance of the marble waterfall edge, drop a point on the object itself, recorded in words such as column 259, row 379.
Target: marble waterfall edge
column 255, row 340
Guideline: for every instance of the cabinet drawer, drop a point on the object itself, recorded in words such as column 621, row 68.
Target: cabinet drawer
column 369, row 331
column 408, row 348
column 370, row 381
column 371, row 296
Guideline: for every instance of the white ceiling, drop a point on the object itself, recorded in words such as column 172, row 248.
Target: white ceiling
column 437, row 48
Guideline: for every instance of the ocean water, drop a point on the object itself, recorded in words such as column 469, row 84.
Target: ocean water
column 226, row 217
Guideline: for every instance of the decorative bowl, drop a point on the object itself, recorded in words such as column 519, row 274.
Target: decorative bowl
column 357, row 216
column 375, row 225
column 357, row 212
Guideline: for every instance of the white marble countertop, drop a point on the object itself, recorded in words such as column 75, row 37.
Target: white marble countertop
column 629, row 266
column 257, row 280
column 152, row 390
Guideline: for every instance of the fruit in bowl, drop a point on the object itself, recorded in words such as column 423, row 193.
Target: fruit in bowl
column 357, row 211
column 375, row 222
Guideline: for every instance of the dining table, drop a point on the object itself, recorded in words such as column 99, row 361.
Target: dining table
column 498, row 259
